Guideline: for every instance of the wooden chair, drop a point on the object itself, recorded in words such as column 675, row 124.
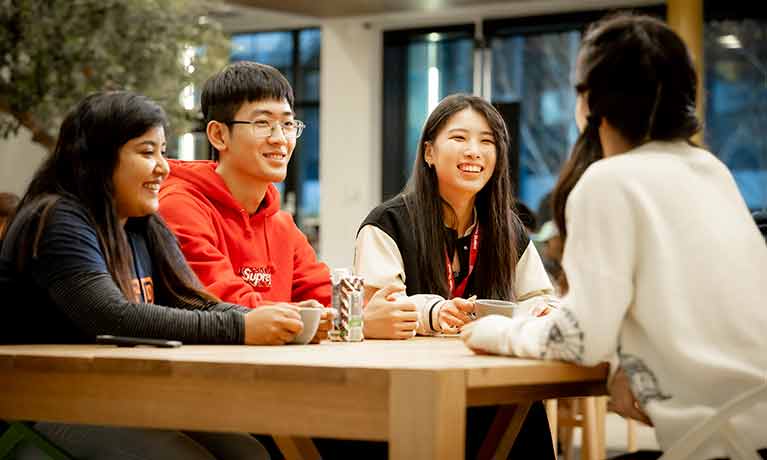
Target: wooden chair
column 718, row 425
column 586, row 413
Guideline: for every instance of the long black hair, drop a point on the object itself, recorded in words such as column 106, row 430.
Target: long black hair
column 500, row 228
column 638, row 75
column 81, row 169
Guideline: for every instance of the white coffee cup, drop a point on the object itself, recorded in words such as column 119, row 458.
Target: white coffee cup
column 310, row 316
column 486, row 307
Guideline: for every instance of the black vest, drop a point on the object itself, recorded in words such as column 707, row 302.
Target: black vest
column 393, row 219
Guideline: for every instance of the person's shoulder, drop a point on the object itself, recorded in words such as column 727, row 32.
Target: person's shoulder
column 604, row 174
column 57, row 210
column 284, row 220
column 387, row 210
column 179, row 198
column 174, row 190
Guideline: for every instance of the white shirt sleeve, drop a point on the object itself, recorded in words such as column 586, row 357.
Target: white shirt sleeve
column 378, row 260
column 598, row 259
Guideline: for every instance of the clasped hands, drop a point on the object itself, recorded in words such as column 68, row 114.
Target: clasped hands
column 390, row 314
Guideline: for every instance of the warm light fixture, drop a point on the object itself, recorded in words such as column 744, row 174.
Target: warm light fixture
column 730, row 41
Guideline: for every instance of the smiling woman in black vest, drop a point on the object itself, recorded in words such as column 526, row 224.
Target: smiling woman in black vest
column 451, row 235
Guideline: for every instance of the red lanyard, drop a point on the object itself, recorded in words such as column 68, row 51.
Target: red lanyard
column 457, row 291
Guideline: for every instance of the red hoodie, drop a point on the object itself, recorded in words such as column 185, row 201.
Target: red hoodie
column 243, row 259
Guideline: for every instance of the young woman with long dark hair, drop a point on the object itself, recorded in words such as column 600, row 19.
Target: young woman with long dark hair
column 666, row 269
column 451, row 235
column 85, row 254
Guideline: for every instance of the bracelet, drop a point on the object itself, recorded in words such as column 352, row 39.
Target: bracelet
column 431, row 311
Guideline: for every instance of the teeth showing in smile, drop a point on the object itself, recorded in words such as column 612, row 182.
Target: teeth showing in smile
column 274, row 156
column 152, row 187
column 470, row 168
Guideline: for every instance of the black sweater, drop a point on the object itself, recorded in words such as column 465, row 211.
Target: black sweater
column 65, row 293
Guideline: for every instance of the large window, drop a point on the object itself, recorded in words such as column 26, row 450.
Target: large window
column 528, row 63
column 420, row 68
column 297, row 55
column 534, row 71
column 736, row 102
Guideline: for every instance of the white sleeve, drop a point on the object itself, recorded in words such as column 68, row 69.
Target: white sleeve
column 377, row 258
column 532, row 286
column 599, row 261
column 531, row 278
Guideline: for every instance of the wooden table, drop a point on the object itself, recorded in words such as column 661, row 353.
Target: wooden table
column 412, row 393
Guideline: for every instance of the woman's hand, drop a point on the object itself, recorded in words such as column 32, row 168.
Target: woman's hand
column 622, row 400
column 272, row 324
column 454, row 313
column 389, row 315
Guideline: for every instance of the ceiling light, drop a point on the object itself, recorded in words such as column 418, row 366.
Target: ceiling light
column 730, row 41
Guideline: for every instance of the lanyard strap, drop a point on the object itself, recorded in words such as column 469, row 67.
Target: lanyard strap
column 457, row 291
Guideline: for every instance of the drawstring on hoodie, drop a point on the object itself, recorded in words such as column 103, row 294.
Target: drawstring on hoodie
column 269, row 264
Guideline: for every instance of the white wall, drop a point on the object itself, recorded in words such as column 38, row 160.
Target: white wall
column 19, row 158
column 350, row 125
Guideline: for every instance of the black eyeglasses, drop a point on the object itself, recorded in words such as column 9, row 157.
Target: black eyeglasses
column 291, row 129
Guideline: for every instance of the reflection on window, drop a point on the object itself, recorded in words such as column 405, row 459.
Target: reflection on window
column 736, row 103
column 273, row 48
column 535, row 71
column 435, row 69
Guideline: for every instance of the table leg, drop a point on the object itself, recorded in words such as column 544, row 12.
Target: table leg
column 512, row 430
column 427, row 415
column 297, row 448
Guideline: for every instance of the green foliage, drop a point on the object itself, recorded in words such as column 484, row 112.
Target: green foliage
column 55, row 52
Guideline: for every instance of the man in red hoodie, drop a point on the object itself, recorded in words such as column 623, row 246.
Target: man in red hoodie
column 226, row 213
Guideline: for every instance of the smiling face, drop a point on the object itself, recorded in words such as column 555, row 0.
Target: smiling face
column 263, row 159
column 463, row 155
column 141, row 168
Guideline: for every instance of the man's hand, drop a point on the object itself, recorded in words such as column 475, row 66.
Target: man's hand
column 272, row 324
column 454, row 313
column 622, row 400
column 389, row 316
column 326, row 320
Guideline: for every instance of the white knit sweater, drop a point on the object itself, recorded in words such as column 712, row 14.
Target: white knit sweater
column 668, row 273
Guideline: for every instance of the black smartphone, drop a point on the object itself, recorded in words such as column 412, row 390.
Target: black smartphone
column 133, row 341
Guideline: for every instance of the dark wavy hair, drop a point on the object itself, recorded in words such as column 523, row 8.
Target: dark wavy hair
column 501, row 228
column 638, row 75
column 81, row 169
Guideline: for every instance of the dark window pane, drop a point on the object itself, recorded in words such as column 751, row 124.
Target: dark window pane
column 273, row 48
column 289, row 51
column 736, row 103
column 307, row 160
column 535, row 71
column 309, row 58
column 435, row 70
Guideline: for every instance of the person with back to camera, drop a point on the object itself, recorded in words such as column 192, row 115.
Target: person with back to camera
column 666, row 269
column 86, row 254
column 453, row 234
